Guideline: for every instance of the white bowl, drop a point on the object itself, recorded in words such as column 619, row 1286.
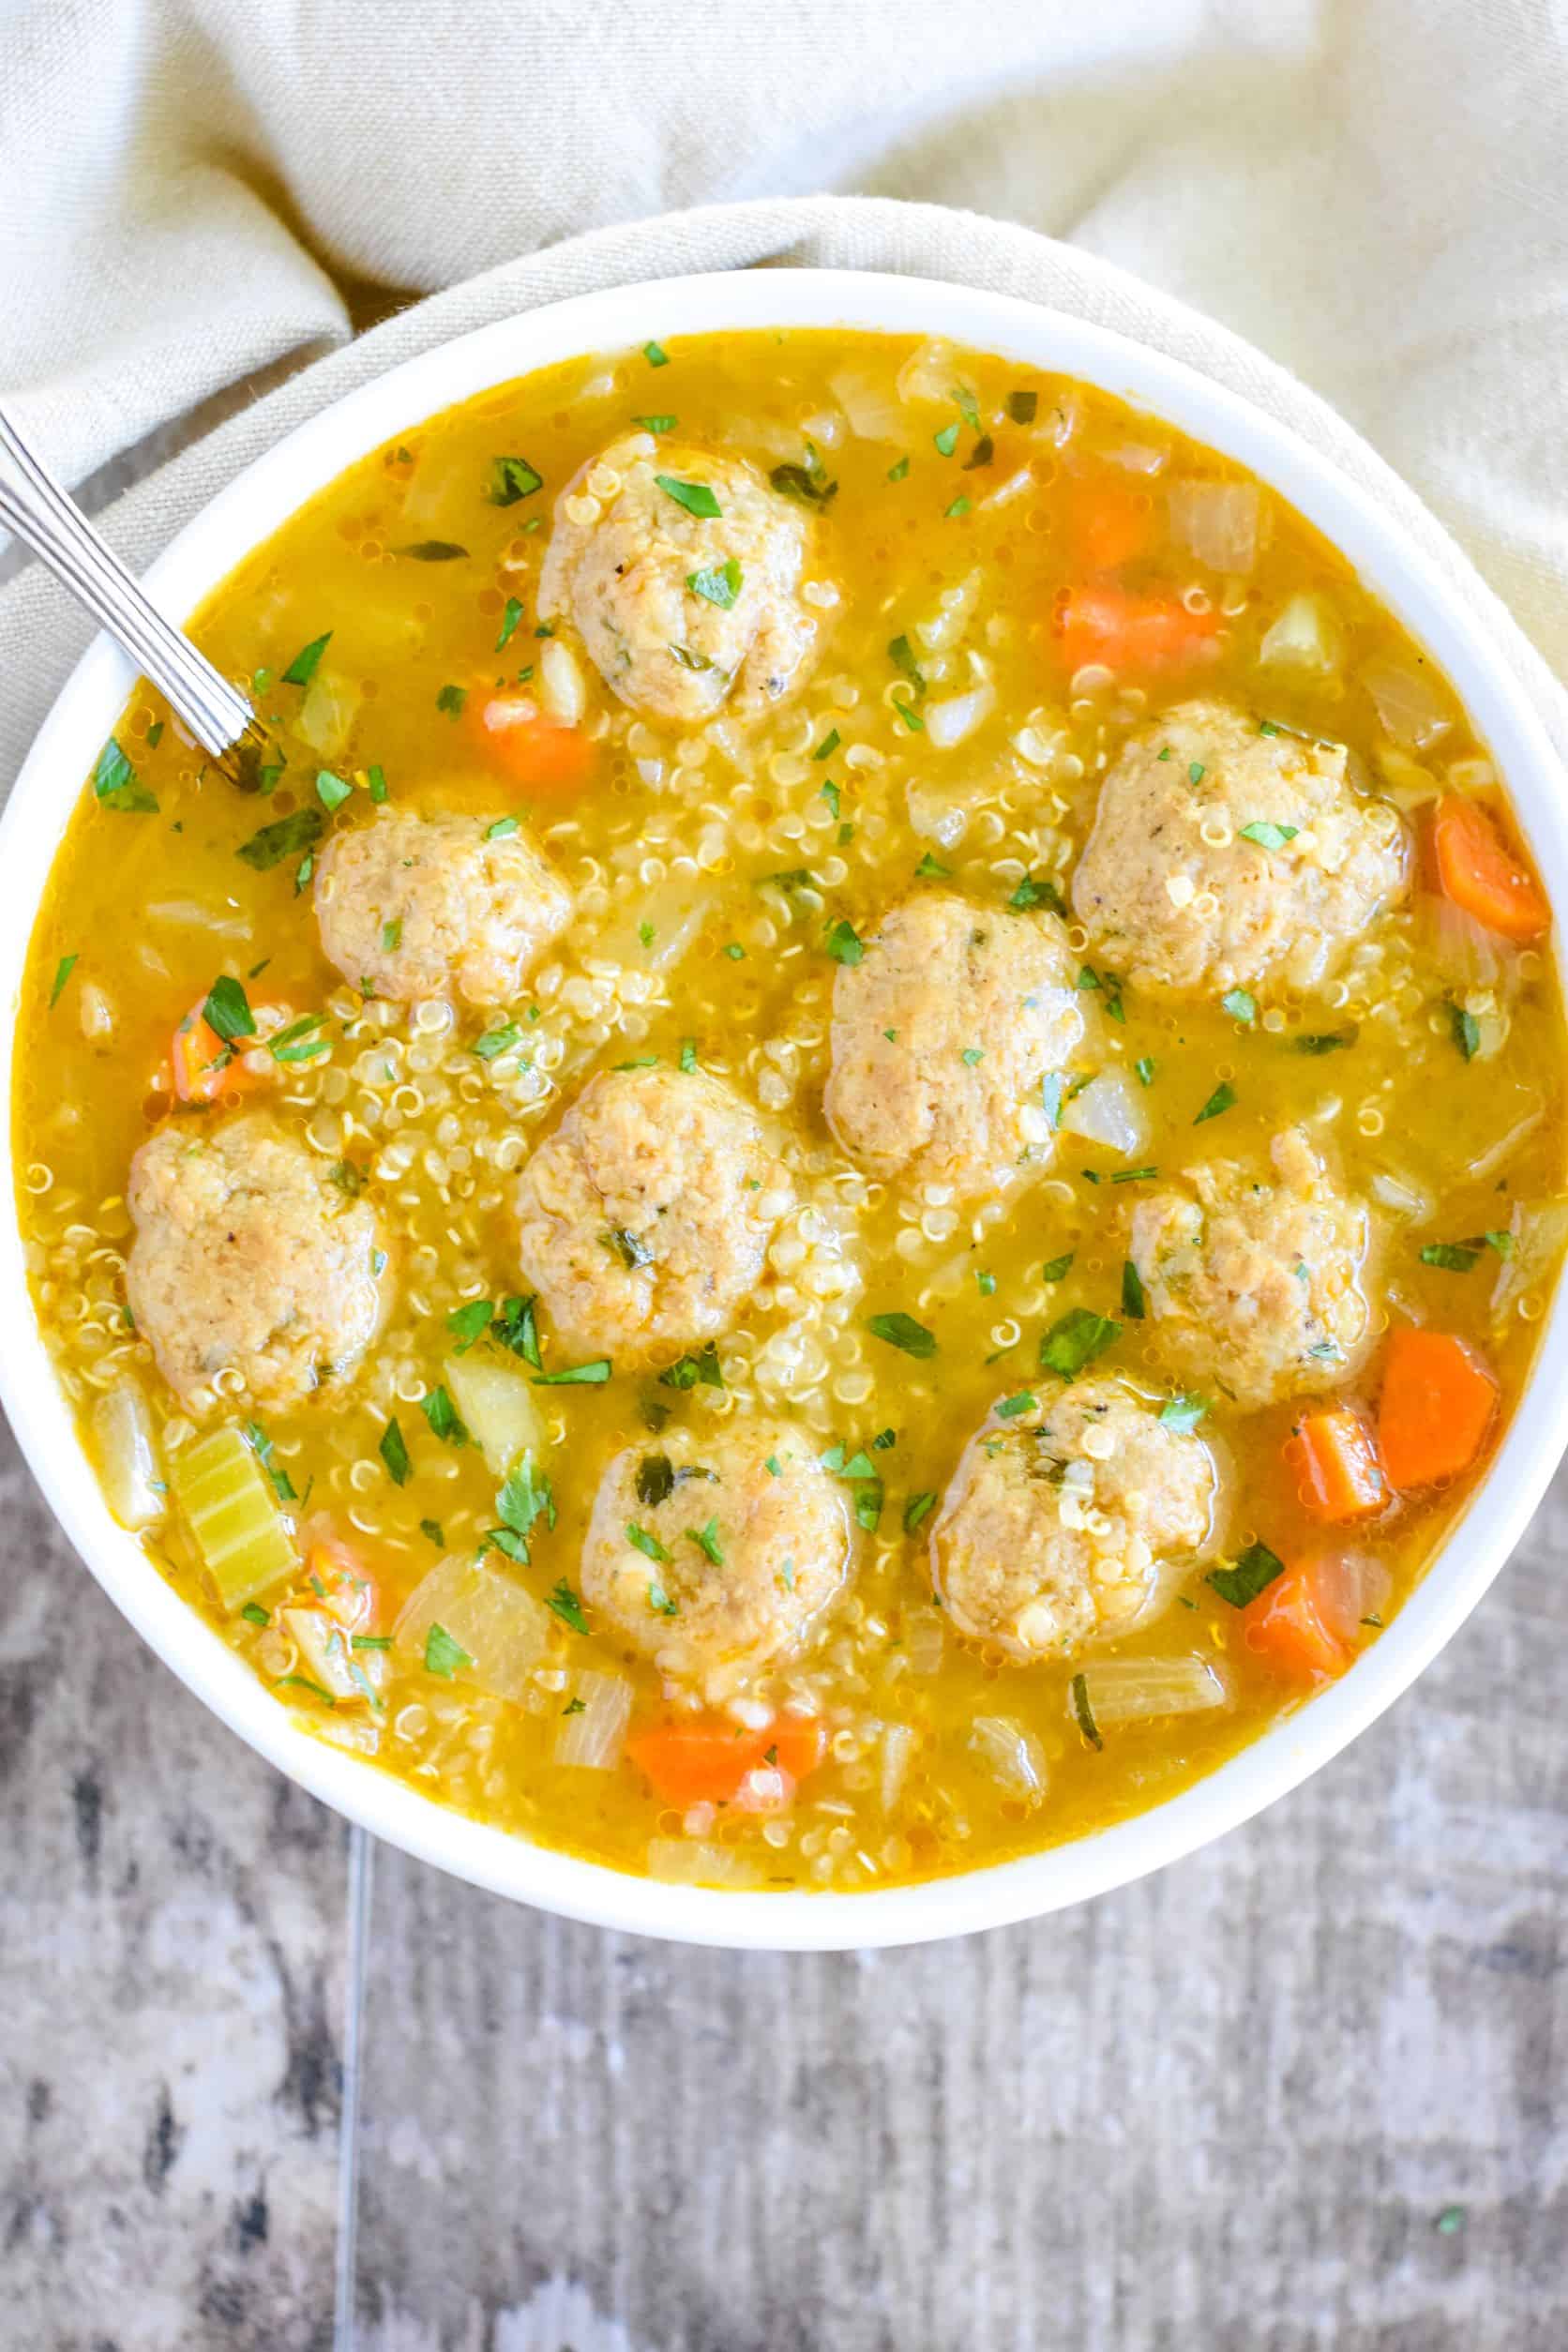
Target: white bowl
column 251, row 508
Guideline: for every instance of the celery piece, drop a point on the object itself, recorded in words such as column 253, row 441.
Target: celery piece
column 228, row 1506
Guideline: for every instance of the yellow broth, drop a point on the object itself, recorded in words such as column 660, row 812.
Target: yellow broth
column 958, row 514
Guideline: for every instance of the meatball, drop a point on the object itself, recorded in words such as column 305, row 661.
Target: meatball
column 1177, row 890
column 411, row 906
column 1070, row 1522
column 625, row 552
column 1251, row 1286
column 248, row 1259
column 644, row 1219
column 714, row 1553
column 941, row 1035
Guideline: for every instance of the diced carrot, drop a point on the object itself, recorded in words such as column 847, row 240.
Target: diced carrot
column 1107, row 524
column 1333, row 1455
column 1125, row 631
column 704, row 1761
column 1285, row 1625
column 534, row 752
column 203, row 1066
column 1477, row 869
column 1437, row 1402
column 346, row 1586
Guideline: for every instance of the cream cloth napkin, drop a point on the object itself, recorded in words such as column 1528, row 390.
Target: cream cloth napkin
column 1377, row 193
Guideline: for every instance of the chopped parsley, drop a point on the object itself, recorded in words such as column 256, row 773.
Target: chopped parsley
column 809, row 482
column 1253, row 1572
column 434, row 1532
column 959, row 507
column 303, row 668
column 702, row 1369
column 1183, row 1413
column 696, row 497
column 898, row 1330
column 844, row 943
column 825, row 750
column 261, row 1446
column 655, row 355
column 901, row 654
column 114, row 783
column 720, row 583
column 985, row 1283
column 655, row 1480
column 1222, row 1099
column 1010, row 1407
column 947, row 440
column 331, row 790
column 392, row 936
column 501, row 829
column 1133, row 1297
column 657, row 424
column 254, row 1614
column 591, row 1375
column 1326, row 1040
column 1454, row 1256
column 659, row 1601
column 442, row 1414
column 1083, row 1714
column 495, row 1042
column 227, row 1010
column 1267, row 834
column 511, row 615
column 1466, row 1031
column 394, row 1452
column 971, row 1056
column 898, row 472
column 442, row 1654
column 918, row 1508
column 1241, row 1006
column 1075, row 1340
column 1033, row 892
column 452, row 699
column 1145, row 1067
column 707, row 1543
column 1057, row 1269
column 511, row 479
column 433, row 550
column 286, row 837
column 1108, row 986
column 629, row 1247
column 649, row 1545
column 1022, row 407
column 299, row 1041
column 687, row 1062
column 566, row 1606
column 63, row 971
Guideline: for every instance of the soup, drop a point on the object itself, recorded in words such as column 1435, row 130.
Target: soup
column 854, row 1154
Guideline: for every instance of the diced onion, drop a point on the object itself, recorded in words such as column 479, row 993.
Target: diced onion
column 949, row 721
column 239, row 1531
column 1401, row 1194
column 594, row 1738
column 562, row 691
column 671, row 913
column 1221, row 524
column 955, row 608
column 126, row 1455
column 1351, row 1586
column 1013, row 1755
column 766, row 1788
column 1120, row 1689
column 938, row 812
column 497, row 1403
column 1539, row 1230
column 501, row 1628
column 190, row 915
column 1481, row 1165
column 931, row 373
column 1306, row 636
column 897, row 1747
column 1412, row 702
column 327, row 711
column 1109, row 1113
column 1465, row 952
column 924, row 1639
column 688, row 1861
column 872, row 416
column 1137, row 457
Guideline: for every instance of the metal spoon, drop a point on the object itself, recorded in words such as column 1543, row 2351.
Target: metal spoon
column 46, row 518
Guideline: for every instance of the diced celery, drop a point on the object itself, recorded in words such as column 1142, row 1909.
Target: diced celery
column 227, row 1505
column 501, row 1628
column 497, row 1403
column 127, row 1453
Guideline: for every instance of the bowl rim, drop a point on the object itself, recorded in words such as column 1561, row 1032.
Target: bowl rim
column 256, row 504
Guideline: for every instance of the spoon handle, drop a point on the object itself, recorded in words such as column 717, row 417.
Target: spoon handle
column 46, row 519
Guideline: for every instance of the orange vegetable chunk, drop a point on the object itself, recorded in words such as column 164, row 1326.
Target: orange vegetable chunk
column 1334, row 1457
column 534, row 752
column 1107, row 524
column 1125, row 631
column 1287, row 1625
column 203, row 1066
column 704, row 1760
column 1439, row 1400
column 1476, row 868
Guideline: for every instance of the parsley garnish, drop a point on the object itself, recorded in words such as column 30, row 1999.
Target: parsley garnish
column 1267, row 834
column 720, row 583
column 567, row 1607
column 63, row 971
column 1256, row 1569
column 303, row 668
column 1133, row 1296
column 1222, row 1099
column 696, row 497
column 898, row 1330
column 1075, row 1340
column 689, row 1371
column 1241, row 1006
column 442, row 1414
column 918, row 1508
column 394, row 1452
column 592, row 1375
column 1183, row 1413
column 844, row 943
column 442, row 1654
column 286, row 837
column 1083, row 1714
column 1033, row 892
column 1467, row 1031
column 511, row 479
column 649, row 1545
column 115, row 782
column 227, row 1010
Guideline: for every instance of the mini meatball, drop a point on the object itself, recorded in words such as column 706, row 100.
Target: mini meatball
column 714, row 1553
column 248, row 1259
column 941, row 1035
column 411, row 906
column 1071, row 1522
column 625, row 552
column 1254, row 1286
column 644, row 1219
column 1179, row 892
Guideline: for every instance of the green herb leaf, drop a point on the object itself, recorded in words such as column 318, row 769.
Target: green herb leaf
column 691, row 1371
column 394, row 1452
column 898, row 472
column 511, row 479
column 1035, row 892
column 1010, row 1407
column 254, row 1614
column 719, row 585
column 657, row 424
column 433, row 550
column 1252, row 1574
column 331, row 790
column 566, row 1606
column 114, row 783
column 511, row 615
column 901, row 1331
column 981, row 455
column 808, row 483
column 629, row 1247
column 299, row 1041
column 442, row 1414
column 592, row 1375
column 1267, row 834
column 947, row 440
column 1075, row 1340
column 707, row 1543
column 468, row 1324
column 1326, row 1041
column 303, row 668
column 1222, row 1099
column 286, row 837
column 1183, row 1413
column 261, row 1446
column 1145, row 1068
column 655, row 1480
column 844, row 943
column 155, row 734
column 1453, row 1256
column 63, row 971
column 901, row 654
column 1241, row 1006
column 1083, row 1714
column 452, row 699
column 1022, row 407
column 959, row 507
column 1467, row 1031
column 985, row 1283
column 1133, row 1297
column 495, row 1042
column 227, row 1010
column 434, row 1532
column 918, row 1507
column 655, row 355
column 444, row 1655
column 696, row 497
column 1057, row 1269
column 687, row 1062
column 649, row 1545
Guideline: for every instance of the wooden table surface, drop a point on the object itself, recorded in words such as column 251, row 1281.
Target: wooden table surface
column 265, row 2090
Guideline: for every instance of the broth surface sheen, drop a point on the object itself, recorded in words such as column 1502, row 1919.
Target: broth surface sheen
column 858, row 1151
